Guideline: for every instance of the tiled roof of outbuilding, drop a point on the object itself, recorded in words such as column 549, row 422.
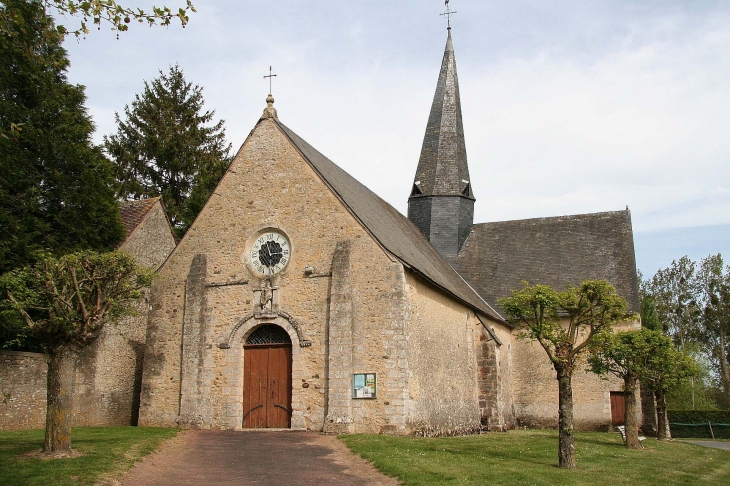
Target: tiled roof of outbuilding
column 391, row 229
column 134, row 212
column 497, row 257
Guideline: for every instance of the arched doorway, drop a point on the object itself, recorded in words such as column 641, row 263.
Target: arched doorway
column 267, row 360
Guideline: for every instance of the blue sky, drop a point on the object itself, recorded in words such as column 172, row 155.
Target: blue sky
column 569, row 107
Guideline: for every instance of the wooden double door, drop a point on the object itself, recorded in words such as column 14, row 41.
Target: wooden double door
column 267, row 386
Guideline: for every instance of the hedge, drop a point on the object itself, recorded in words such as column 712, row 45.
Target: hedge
column 700, row 423
column 699, row 416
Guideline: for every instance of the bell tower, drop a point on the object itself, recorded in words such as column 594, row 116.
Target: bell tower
column 441, row 203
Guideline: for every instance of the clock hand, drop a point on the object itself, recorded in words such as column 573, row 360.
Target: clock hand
column 269, row 247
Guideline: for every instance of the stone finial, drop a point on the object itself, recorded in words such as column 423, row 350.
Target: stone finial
column 270, row 111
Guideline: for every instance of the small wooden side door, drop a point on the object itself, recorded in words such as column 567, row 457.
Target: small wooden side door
column 618, row 408
column 267, row 386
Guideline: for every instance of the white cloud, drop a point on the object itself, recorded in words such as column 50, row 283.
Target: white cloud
column 568, row 108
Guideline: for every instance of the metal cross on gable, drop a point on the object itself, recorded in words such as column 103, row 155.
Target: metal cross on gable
column 448, row 14
column 270, row 76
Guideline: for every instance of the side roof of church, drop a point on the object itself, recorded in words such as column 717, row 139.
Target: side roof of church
column 391, row 229
column 498, row 257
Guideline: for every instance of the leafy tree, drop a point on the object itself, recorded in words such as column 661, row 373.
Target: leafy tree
column 691, row 302
column 107, row 11
column 565, row 323
column 56, row 187
column 117, row 16
column 649, row 316
column 65, row 303
column 674, row 290
column 714, row 294
column 644, row 355
column 163, row 147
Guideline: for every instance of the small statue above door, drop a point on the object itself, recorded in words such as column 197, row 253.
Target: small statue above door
column 266, row 301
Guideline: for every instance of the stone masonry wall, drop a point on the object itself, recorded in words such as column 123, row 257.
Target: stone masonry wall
column 494, row 374
column 269, row 185
column 506, row 372
column 109, row 372
column 23, row 388
column 443, row 396
column 536, row 390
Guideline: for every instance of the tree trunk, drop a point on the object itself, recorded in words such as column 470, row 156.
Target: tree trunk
column 60, row 393
column 648, row 411
column 566, row 447
column 662, row 421
column 631, row 419
column 724, row 368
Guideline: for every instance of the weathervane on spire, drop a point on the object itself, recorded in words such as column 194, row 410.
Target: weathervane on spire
column 448, row 14
column 274, row 75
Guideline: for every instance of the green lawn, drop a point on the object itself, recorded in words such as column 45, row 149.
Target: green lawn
column 108, row 453
column 530, row 457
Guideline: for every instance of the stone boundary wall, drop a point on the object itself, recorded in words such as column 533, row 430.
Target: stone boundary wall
column 23, row 388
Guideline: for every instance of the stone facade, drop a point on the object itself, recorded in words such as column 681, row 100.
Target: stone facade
column 23, row 388
column 347, row 304
column 363, row 292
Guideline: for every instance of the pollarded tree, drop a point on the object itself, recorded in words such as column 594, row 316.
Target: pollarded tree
column 65, row 303
column 165, row 148
column 649, row 357
column 666, row 369
column 565, row 323
column 625, row 355
column 56, row 187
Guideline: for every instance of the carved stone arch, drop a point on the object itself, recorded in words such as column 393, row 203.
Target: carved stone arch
column 246, row 325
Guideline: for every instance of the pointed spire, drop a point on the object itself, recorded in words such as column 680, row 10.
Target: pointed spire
column 442, row 168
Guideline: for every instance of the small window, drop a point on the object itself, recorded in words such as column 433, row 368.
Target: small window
column 416, row 191
column 269, row 334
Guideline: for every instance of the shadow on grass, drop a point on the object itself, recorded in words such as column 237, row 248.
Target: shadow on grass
column 108, row 452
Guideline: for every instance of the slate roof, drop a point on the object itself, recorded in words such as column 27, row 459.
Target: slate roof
column 134, row 212
column 391, row 229
column 442, row 167
column 497, row 257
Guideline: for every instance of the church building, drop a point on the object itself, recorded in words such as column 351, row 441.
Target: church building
column 300, row 299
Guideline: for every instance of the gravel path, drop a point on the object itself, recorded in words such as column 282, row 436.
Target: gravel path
column 707, row 443
column 197, row 457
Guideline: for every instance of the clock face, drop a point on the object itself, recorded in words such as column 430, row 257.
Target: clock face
column 270, row 253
